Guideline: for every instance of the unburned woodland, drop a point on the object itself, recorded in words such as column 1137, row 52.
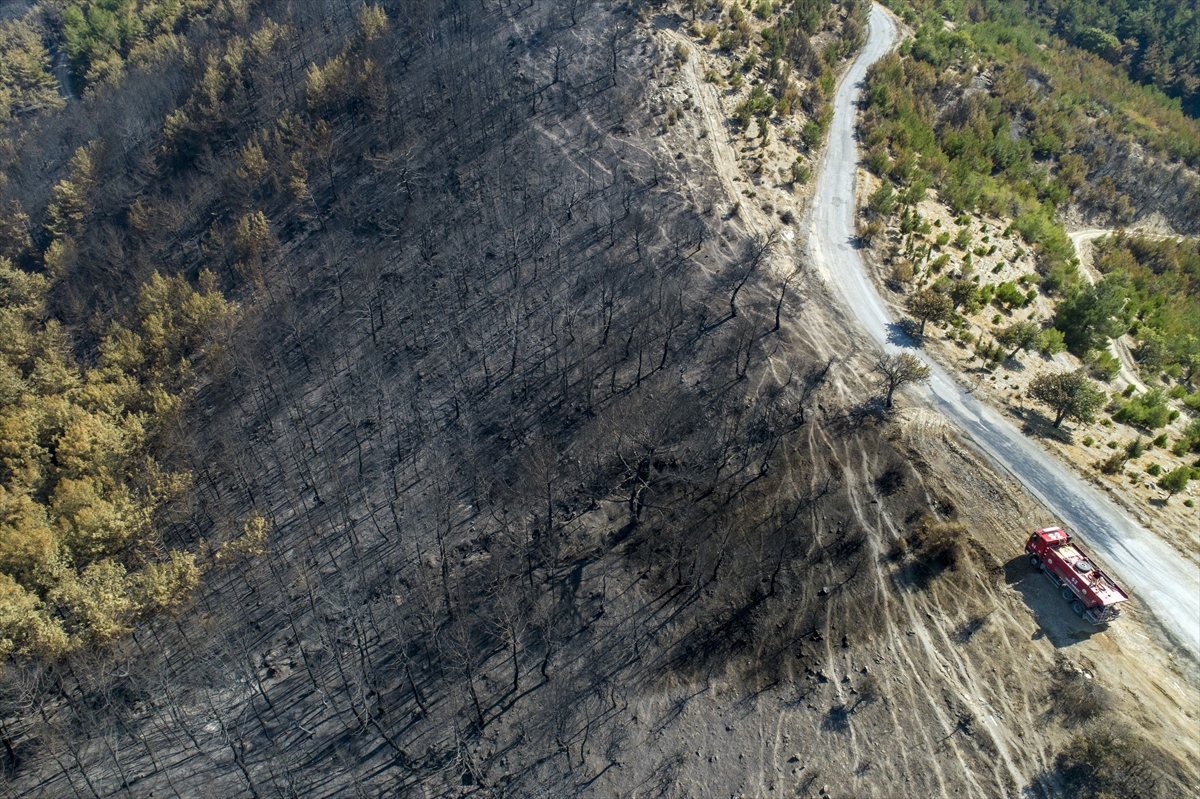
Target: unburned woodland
column 1000, row 157
column 456, row 438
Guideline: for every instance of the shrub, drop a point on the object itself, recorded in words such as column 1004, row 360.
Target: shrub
column 1051, row 342
column 811, row 134
column 1088, row 441
column 940, row 544
column 1115, row 463
column 1009, row 296
column 902, row 272
column 867, row 233
column 800, row 172
column 1078, row 699
column 1154, row 470
column 1105, row 365
column 1161, row 441
column 1191, row 435
column 1147, row 410
column 883, row 200
column 1107, row 761
column 1175, row 480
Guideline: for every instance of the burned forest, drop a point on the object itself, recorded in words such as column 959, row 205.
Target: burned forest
column 475, row 441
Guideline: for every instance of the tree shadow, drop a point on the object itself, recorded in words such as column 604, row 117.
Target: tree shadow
column 904, row 333
column 1013, row 364
column 919, row 573
column 966, row 631
column 837, row 719
column 1040, row 425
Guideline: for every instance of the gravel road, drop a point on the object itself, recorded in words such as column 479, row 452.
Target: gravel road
column 1157, row 577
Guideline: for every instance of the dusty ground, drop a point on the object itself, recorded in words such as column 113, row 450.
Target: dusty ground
column 756, row 176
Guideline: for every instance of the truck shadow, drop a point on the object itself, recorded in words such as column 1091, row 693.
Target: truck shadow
column 1053, row 616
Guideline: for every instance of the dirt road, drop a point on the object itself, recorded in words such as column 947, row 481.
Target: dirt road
column 1158, row 577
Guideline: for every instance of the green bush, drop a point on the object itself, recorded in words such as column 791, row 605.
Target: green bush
column 1050, row 342
column 1154, row 470
column 1147, row 410
column 1104, row 365
column 1009, row 296
column 883, row 199
column 811, row 134
column 800, row 172
column 1175, row 480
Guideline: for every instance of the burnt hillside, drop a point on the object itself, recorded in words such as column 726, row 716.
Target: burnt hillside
column 495, row 391
column 522, row 471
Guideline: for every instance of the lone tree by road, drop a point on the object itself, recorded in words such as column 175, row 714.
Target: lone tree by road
column 899, row 370
column 928, row 304
column 1019, row 336
column 1068, row 394
column 1175, row 481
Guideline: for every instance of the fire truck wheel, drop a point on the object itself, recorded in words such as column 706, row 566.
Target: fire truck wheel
column 1077, row 607
column 1035, row 561
column 1067, row 594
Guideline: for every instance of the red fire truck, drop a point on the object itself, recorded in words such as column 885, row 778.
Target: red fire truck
column 1092, row 593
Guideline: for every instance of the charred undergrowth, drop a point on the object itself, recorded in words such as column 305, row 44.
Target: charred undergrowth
column 522, row 456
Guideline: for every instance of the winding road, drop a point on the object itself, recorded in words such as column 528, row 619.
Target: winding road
column 1157, row 576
